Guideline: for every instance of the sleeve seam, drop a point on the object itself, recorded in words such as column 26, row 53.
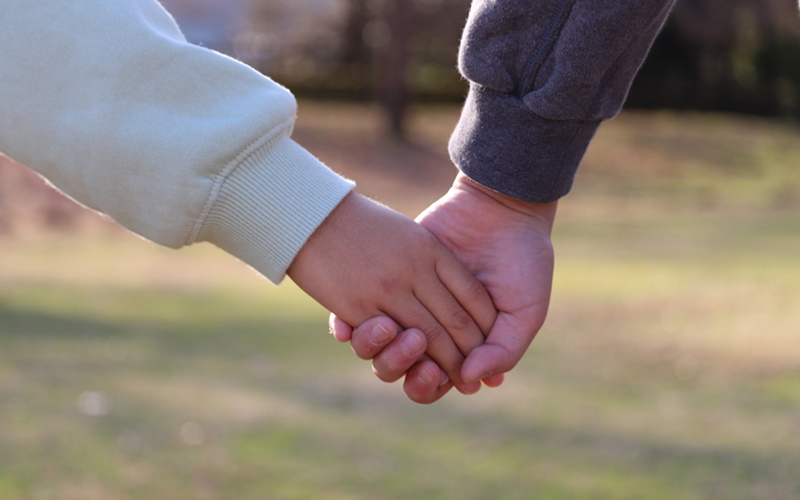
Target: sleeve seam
column 546, row 46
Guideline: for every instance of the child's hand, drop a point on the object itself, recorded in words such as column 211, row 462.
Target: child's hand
column 366, row 260
column 395, row 354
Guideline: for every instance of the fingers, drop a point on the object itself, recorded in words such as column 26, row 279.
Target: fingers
column 425, row 383
column 441, row 347
column 340, row 330
column 398, row 357
column 447, row 311
column 392, row 355
column 374, row 335
column 468, row 291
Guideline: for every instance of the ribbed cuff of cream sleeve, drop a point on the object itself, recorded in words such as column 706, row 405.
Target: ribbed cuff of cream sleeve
column 269, row 205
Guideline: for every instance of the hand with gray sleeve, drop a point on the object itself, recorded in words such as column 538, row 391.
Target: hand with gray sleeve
column 543, row 75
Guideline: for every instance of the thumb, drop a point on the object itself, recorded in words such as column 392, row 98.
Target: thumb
column 504, row 347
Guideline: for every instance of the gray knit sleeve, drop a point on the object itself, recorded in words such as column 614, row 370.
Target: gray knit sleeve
column 543, row 75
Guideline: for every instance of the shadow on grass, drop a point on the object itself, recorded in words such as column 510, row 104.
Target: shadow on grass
column 474, row 440
column 223, row 335
column 16, row 323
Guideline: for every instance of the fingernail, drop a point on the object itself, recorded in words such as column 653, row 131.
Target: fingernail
column 413, row 343
column 379, row 335
column 443, row 378
column 426, row 376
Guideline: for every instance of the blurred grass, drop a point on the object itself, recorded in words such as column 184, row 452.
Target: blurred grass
column 669, row 367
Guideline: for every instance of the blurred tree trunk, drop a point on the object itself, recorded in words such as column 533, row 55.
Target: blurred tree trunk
column 354, row 51
column 393, row 89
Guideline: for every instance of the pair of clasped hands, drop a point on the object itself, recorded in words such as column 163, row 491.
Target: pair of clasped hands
column 451, row 300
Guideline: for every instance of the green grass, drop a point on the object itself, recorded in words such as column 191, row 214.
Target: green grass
column 669, row 367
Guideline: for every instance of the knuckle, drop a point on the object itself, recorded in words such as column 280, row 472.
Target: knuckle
column 435, row 333
column 389, row 286
column 474, row 290
column 359, row 307
column 460, row 320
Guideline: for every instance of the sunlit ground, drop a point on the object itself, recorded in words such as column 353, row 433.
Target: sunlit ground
column 669, row 367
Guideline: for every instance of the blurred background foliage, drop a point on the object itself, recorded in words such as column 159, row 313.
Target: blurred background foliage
column 724, row 55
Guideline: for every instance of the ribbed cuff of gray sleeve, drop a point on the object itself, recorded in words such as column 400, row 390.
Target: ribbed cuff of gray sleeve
column 500, row 143
column 270, row 204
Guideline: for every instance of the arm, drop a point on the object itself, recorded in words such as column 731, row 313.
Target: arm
column 180, row 144
column 175, row 142
column 543, row 75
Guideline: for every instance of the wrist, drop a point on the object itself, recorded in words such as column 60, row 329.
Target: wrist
column 317, row 246
column 543, row 213
column 266, row 208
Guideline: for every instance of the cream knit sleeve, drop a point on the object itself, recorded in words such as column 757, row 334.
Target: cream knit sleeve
column 175, row 142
